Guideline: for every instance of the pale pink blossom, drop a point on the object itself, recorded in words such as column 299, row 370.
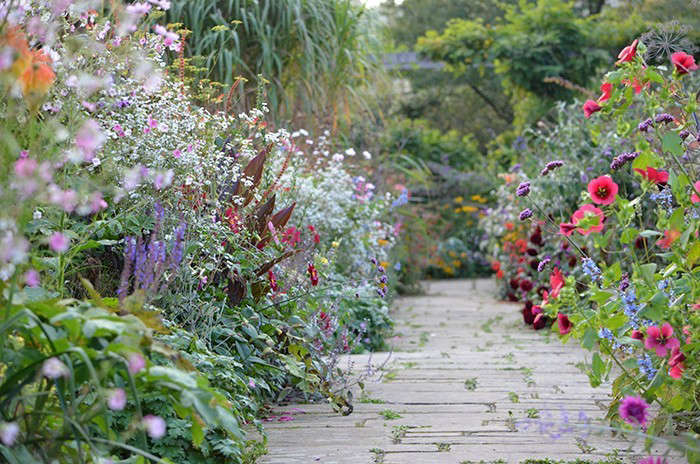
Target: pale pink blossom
column 31, row 278
column 136, row 363
column 116, row 400
column 9, row 433
column 53, row 368
column 155, row 426
column 59, row 242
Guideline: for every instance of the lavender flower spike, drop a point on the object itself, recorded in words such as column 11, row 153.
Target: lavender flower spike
column 551, row 166
column 526, row 213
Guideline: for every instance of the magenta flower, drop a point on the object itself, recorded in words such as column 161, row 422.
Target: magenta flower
column 155, row 426
column 9, row 433
column 25, row 167
column 653, row 460
column 633, row 410
column 603, row 190
column 31, row 278
column 136, row 363
column 116, row 400
column 59, row 242
column 661, row 340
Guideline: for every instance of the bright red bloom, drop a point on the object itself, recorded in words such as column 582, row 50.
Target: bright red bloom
column 661, row 340
column 603, row 190
column 556, row 281
column 564, row 324
column 606, row 88
column 670, row 236
column 291, row 236
column 499, row 274
column 635, row 83
column 628, row 53
column 317, row 238
column 683, row 62
column 525, row 285
column 676, row 363
column 313, row 275
column 590, row 107
column 272, row 279
column 496, row 265
column 694, row 197
column 651, row 174
column 588, row 210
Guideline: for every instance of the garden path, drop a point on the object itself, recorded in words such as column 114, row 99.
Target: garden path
column 464, row 377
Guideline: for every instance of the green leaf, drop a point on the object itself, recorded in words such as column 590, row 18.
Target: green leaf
column 647, row 271
column 693, row 253
column 628, row 235
column 590, row 337
column 653, row 76
column 616, row 322
column 672, row 143
column 598, row 366
column 197, row 432
column 601, row 296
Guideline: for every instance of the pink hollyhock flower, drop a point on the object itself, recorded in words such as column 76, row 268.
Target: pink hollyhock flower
column 676, row 363
column 564, row 323
column 628, row 53
column 59, row 242
column 694, row 197
column 651, row 174
column 116, row 401
column 637, row 335
column 591, row 107
column 540, row 320
column 670, row 236
column 603, row 190
column 606, row 88
column 661, row 339
column 155, row 426
column 89, row 139
column 683, row 62
column 25, row 167
column 136, row 363
column 567, row 228
column 556, row 281
column 31, row 278
column 584, row 211
column 9, row 433
column 633, row 409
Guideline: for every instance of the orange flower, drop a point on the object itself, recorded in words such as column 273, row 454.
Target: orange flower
column 670, row 236
column 38, row 75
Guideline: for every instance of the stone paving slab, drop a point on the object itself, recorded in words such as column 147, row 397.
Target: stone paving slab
column 466, row 382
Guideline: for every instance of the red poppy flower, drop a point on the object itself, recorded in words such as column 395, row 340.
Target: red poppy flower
column 564, row 324
column 590, row 107
column 670, row 236
column 628, row 53
column 556, row 281
column 495, row 265
column 606, row 88
column 683, row 62
column 603, row 190
column 694, row 197
column 313, row 275
column 651, row 174
column 499, row 274
column 585, row 212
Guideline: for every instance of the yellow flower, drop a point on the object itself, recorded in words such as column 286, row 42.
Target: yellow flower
column 448, row 270
column 459, row 200
column 457, row 263
column 458, row 210
column 452, row 253
column 385, row 264
column 478, row 199
column 469, row 209
column 335, row 244
column 324, row 260
column 382, row 242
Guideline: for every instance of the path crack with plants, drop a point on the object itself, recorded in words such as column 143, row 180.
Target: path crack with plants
column 458, row 393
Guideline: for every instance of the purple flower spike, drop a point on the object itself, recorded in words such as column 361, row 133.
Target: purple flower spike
column 523, row 189
column 525, row 214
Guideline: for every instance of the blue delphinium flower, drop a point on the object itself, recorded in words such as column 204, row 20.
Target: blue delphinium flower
column 646, row 366
column 591, row 269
